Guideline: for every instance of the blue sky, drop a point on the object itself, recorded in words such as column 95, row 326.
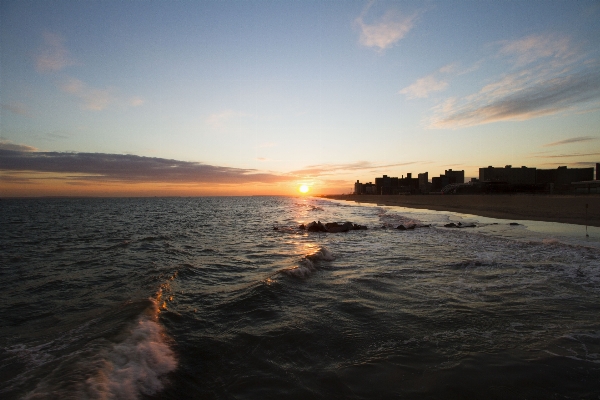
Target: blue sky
column 272, row 94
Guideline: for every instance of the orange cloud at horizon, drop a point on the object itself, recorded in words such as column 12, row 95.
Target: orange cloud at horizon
column 28, row 184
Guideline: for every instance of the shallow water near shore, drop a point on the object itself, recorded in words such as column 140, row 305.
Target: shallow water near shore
column 226, row 298
column 523, row 230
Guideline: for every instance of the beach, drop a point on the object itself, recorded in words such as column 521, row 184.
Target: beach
column 570, row 209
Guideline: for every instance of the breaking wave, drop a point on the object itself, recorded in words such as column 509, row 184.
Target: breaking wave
column 138, row 364
column 307, row 265
column 392, row 220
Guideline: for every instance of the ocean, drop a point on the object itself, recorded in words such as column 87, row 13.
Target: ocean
column 226, row 298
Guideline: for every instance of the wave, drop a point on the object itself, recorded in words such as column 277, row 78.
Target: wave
column 138, row 364
column 308, row 264
column 115, row 364
column 393, row 220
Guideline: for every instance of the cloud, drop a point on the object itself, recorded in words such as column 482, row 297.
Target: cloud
column 385, row 32
column 92, row 98
column 569, row 155
column 571, row 140
column 423, row 86
column 520, row 101
column 54, row 56
column 7, row 145
column 548, row 75
column 15, row 108
column 430, row 83
column 535, row 47
column 127, row 168
column 579, row 164
column 219, row 120
column 328, row 169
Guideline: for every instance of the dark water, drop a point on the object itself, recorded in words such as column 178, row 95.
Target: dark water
column 202, row 298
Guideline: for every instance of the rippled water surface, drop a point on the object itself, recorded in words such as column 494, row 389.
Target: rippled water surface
column 226, row 298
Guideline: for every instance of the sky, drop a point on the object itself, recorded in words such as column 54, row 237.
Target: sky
column 187, row 98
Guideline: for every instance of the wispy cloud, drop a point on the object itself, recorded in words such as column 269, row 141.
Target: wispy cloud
column 329, row 169
column 385, row 32
column 53, row 56
column 8, row 145
column 92, row 98
column 572, row 155
column 423, row 87
column 581, row 164
column 15, row 107
column 220, row 120
column 535, row 47
column 571, row 140
column 553, row 80
column 523, row 102
column 126, row 168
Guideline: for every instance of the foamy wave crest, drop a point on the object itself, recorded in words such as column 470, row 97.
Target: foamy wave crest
column 321, row 255
column 392, row 220
column 137, row 365
column 306, row 266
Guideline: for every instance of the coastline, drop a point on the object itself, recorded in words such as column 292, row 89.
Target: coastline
column 569, row 209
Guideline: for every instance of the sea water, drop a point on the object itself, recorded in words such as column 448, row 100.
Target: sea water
column 225, row 297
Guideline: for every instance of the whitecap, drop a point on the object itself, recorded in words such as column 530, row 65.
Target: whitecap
column 307, row 266
column 137, row 365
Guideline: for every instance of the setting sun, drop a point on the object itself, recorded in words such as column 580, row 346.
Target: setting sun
column 303, row 189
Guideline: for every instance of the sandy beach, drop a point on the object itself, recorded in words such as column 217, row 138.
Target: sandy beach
column 569, row 209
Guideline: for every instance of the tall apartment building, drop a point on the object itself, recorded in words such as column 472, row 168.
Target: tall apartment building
column 455, row 176
column 508, row 174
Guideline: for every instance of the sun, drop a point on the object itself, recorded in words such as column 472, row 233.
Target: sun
column 303, row 188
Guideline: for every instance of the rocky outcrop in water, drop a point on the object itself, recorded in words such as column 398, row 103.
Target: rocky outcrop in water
column 331, row 227
column 411, row 227
column 459, row 225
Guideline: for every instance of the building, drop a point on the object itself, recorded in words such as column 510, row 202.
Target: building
column 455, row 176
column 562, row 177
column 449, row 177
column 508, row 174
column 424, row 185
column 364, row 188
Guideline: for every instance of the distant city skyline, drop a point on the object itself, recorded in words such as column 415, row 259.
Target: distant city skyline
column 265, row 97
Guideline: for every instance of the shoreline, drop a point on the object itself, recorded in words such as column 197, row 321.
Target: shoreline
column 569, row 209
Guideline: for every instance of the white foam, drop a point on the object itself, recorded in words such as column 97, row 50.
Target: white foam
column 322, row 254
column 304, row 269
column 306, row 266
column 135, row 366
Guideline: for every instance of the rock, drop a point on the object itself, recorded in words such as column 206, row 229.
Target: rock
column 334, row 227
column 316, row 227
column 331, row 227
column 513, row 223
column 413, row 226
column 401, row 227
column 451, row 225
